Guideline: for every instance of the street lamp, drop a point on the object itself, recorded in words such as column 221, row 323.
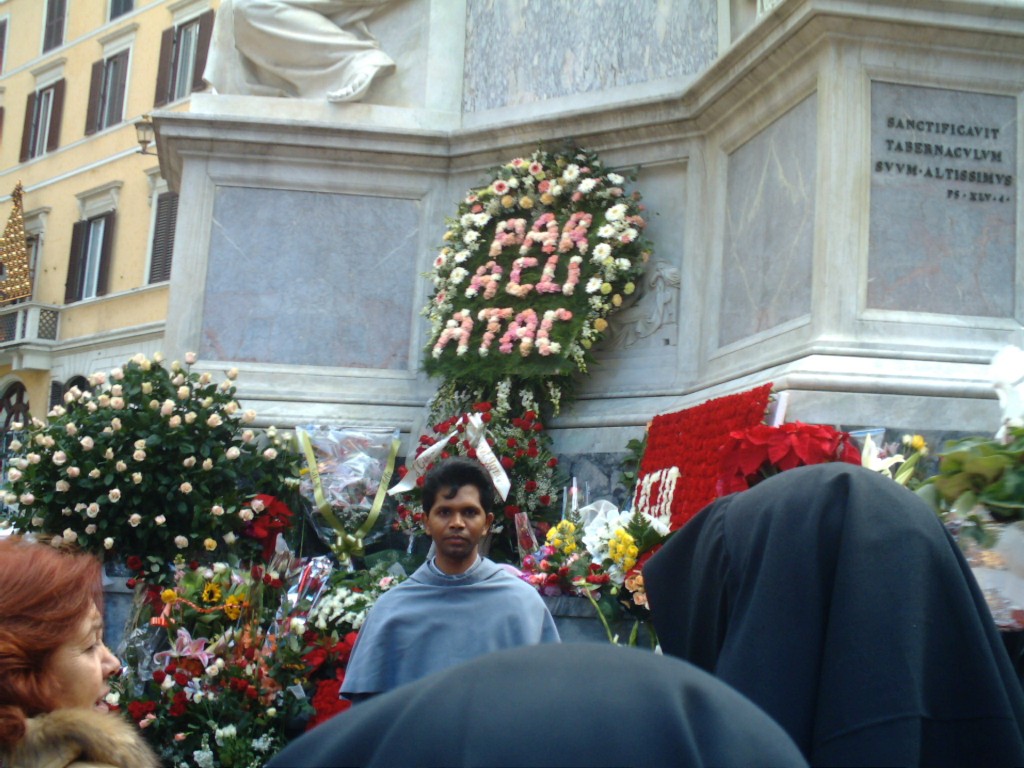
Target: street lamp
column 146, row 134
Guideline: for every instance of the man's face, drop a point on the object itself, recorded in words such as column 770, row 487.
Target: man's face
column 456, row 525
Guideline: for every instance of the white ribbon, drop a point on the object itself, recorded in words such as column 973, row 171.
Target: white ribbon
column 476, row 434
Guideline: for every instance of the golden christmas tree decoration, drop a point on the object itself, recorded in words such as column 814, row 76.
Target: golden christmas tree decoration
column 15, row 278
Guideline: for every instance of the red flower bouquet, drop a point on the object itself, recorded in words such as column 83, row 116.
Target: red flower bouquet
column 751, row 455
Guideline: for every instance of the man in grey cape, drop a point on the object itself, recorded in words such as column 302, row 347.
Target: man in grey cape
column 457, row 605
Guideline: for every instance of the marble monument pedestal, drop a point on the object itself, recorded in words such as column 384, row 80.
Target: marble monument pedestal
column 834, row 204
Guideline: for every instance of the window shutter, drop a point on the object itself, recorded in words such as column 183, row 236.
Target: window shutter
column 92, row 114
column 53, row 140
column 163, row 237
column 56, row 393
column 73, row 287
column 113, row 108
column 26, row 135
column 106, row 254
column 163, row 73
column 1, row 123
column 202, row 48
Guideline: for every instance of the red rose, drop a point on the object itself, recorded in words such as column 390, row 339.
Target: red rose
column 402, row 471
column 511, row 510
column 158, row 676
column 507, row 462
column 181, row 678
column 326, row 703
column 545, row 500
column 511, row 442
column 134, row 563
column 531, row 486
column 177, row 708
column 482, row 407
column 139, row 709
column 487, row 418
column 552, row 462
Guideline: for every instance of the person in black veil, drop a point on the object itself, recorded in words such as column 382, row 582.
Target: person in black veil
column 835, row 600
column 581, row 704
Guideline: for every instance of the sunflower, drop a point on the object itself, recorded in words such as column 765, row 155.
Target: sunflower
column 212, row 593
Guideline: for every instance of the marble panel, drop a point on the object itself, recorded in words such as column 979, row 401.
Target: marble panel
column 943, row 201
column 309, row 278
column 769, row 228
column 521, row 52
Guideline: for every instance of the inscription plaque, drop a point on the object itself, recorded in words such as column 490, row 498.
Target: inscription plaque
column 943, row 201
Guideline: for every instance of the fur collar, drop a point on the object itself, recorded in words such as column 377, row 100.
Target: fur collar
column 79, row 737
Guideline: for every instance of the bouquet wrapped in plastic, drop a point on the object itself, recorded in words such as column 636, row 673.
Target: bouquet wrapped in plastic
column 346, row 474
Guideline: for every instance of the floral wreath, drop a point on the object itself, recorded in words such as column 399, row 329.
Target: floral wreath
column 533, row 264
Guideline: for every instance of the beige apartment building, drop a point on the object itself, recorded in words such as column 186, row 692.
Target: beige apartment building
column 76, row 79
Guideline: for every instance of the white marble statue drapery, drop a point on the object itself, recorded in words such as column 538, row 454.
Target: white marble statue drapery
column 309, row 49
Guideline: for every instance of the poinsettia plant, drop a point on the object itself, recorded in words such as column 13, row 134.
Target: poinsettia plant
column 756, row 453
column 152, row 462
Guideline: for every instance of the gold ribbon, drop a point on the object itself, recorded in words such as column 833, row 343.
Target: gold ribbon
column 346, row 544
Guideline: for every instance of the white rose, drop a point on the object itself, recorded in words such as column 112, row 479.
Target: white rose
column 189, row 462
column 147, row 388
column 74, row 471
column 167, row 408
column 136, row 477
column 207, row 464
column 233, row 374
column 232, row 453
column 174, row 422
column 214, row 421
column 216, row 510
column 108, row 543
column 159, row 519
column 190, row 357
column 229, row 538
column 92, row 510
column 185, row 488
column 62, row 486
column 87, row 443
column 248, row 416
column 135, row 520
column 69, row 535
column 139, row 455
column 246, row 515
column 94, row 473
column 90, row 529
column 114, row 494
column 13, row 475
column 27, row 499
column 180, row 542
column 270, row 454
column 184, row 392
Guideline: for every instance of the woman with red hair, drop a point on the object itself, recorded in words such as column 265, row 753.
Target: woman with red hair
column 54, row 665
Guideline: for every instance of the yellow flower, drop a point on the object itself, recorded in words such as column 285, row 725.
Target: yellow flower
column 547, row 198
column 600, row 325
column 212, row 593
column 525, row 202
column 169, row 596
column 606, row 288
column 918, row 443
column 629, row 288
column 210, row 545
column 508, row 201
column 617, row 300
column 233, row 607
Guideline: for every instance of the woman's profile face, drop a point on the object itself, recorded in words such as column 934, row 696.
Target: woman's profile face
column 82, row 665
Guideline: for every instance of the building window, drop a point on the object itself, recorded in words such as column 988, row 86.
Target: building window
column 13, row 407
column 106, row 93
column 43, row 112
column 92, row 241
column 183, row 50
column 163, row 237
column 53, row 32
column 120, row 7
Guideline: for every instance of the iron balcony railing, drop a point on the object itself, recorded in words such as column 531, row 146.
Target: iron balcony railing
column 28, row 323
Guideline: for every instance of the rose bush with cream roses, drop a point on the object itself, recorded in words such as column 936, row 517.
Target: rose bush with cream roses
column 151, row 463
